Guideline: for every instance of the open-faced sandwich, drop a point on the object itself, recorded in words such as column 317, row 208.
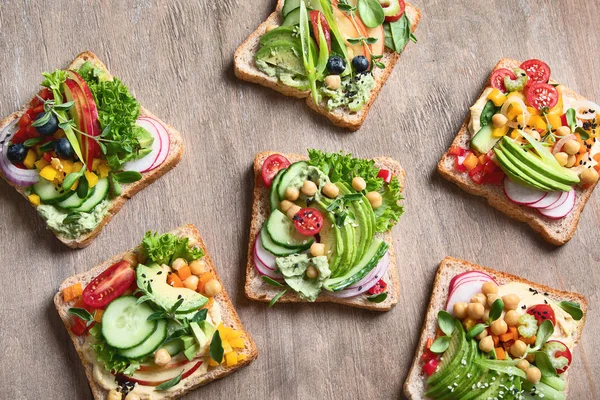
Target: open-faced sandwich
column 531, row 147
column 83, row 146
column 321, row 229
column 492, row 335
column 335, row 53
column 155, row 322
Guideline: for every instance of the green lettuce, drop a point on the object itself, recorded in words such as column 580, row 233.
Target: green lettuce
column 165, row 248
column 388, row 214
column 109, row 356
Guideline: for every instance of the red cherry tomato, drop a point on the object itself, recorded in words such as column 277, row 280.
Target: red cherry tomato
column 559, row 354
column 79, row 326
column 476, row 174
column 20, row 136
column 271, row 167
column 315, row 15
column 385, row 174
column 540, row 95
column 542, row 312
column 24, row 120
column 379, row 287
column 497, row 79
column 430, row 366
column 308, row 221
column 456, row 151
column 39, row 109
column 428, row 354
column 537, row 71
column 394, row 18
column 109, row 285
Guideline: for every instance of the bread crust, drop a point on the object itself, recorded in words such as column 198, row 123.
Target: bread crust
column 256, row 289
column 415, row 385
column 556, row 232
column 228, row 312
column 129, row 190
column 245, row 69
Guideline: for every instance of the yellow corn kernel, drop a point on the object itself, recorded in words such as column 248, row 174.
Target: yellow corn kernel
column 237, row 343
column 30, row 158
column 41, row 163
column 497, row 97
column 554, row 120
column 537, row 123
column 212, row 362
column 226, row 346
column 231, row 359
column 103, row 170
column 241, row 357
column 92, row 178
column 34, row 199
column 67, row 166
column 48, row 173
column 499, row 132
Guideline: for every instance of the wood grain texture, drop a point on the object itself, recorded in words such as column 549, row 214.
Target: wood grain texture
column 177, row 58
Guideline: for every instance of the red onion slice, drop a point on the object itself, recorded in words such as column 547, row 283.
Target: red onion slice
column 559, row 145
column 18, row 176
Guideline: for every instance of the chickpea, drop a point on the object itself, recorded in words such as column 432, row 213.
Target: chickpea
column 114, row 395
column 292, row 211
column 162, row 357
column 530, row 357
column 292, row 193
column 534, row 374
column 333, row 81
column 285, row 205
column 359, row 184
column 270, row 28
column 512, row 318
column 571, row 146
column 499, row 327
column 486, row 344
column 518, row 348
column 317, row 249
column 589, row 176
column 132, row 396
column 212, row 288
column 198, row 267
column 131, row 258
column 483, row 334
column 491, row 298
column 523, row 365
column 312, row 272
column 179, row 263
column 571, row 161
column 191, row 282
column 475, row 310
column 511, row 302
column 166, row 269
column 309, row 188
column 562, row 158
column 562, row 131
column 330, row 190
column 499, row 120
column 460, row 310
column 192, row 242
column 486, row 314
column 375, row 199
column 489, row 288
column 479, row 298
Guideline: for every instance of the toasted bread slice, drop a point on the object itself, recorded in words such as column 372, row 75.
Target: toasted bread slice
column 228, row 314
column 415, row 385
column 245, row 69
column 257, row 289
column 173, row 158
column 557, row 232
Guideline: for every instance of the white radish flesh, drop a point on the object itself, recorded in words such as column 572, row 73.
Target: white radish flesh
column 520, row 194
column 563, row 210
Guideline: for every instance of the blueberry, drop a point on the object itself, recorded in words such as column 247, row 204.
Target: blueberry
column 360, row 63
column 16, row 153
column 63, row 148
column 336, row 65
column 49, row 127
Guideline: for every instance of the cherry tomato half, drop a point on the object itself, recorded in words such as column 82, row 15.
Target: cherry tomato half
column 542, row 312
column 430, row 366
column 540, row 95
column 385, row 174
column 397, row 16
column 308, row 221
column 315, row 15
column 497, row 79
column 379, row 287
column 109, row 285
column 537, row 71
column 271, row 167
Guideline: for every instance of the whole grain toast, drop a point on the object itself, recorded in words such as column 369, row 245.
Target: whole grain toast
column 257, row 289
column 557, row 232
column 415, row 385
column 173, row 158
column 228, row 313
column 245, row 69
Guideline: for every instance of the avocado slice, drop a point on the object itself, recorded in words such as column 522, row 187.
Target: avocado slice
column 152, row 280
column 330, row 236
column 451, row 360
column 515, row 173
column 279, row 34
column 484, row 140
column 281, row 55
column 360, row 228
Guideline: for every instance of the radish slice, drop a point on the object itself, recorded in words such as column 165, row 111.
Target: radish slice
column 18, row 176
column 366, row 283
column 559, row 145
column 466, row 289
column 520, row 194
column 166, row 143
column 145, row 163
column 561, row 200
column 563, row 210
column 263, row 255
column 547, row 201
column 263, row 270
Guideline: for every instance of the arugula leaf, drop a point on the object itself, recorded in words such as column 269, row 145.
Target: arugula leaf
column 440, row 344
column 82, row 313
column 163, row 249
column 542, row 361
column 378, row 298
column 109, row 356
column 445, row 322
column 573, row 308
column 169, row 384
column 216, row 347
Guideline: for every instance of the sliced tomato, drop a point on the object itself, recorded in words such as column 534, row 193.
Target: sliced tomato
column 456, row 151
column 430, row 366
column 476, row 174
column 315, row 16
column 537, row 71
column 308, row 221
column 542, row 312
column 79, row 326
column 497, row 79
column 271, row 167
column 21, row 136
column 109, row 285
column 542, row 95
column 559, row 354
column 24, row 120
column 385, row 174
column 379, row 287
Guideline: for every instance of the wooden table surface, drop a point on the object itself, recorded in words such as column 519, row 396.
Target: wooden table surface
column 177, row 58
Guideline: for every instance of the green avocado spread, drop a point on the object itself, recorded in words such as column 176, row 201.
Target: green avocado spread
column 293, row 268
column 313, row 174
column 353, row 93
column 86, row 223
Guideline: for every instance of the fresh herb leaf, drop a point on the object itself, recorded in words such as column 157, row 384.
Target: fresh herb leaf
column 277, row 297
column 496, row 310
column 82, row 187
column 176, row 305
column 573, row 308
column 583, row 133
column 378, row 298
column 200, row 315
column 371, row 13
column 572, row 118
column 128, row 176
column 542, row 361
column 400, row 33
column 143, row 299
column 64, row 106
column 440, row 344
column 109, row 356
column 169, row 384
column 32, row 142
column 379, row 64
column 346, row 7
column 165, row 248
column 43, row 120
column 156, row 315
column 476, row 330
column 216, row 347
column 66, row 125
column 115, row 187
column 544, row 332
column 413, row 38
column 47, row 147
column 176, row 335
column 71, row 217
column 371, row 40
column 488, row 112
column 446, row 322
column 82, row 313
column 271, row 282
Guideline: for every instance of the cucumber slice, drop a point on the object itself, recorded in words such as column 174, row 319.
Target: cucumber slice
column 274, row 196
column 99, row 194
column 272, row 247
column 283, row 232
column 291, row 173
column 149, row 345
column 289, row 6
column 125, row 323
column 74, row 200
column 50, row 193
column 292, row 18
column 174, row 347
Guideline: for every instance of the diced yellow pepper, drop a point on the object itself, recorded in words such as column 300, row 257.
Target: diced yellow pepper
column 48, row 173
column 38, row 151
column 103, row 170
column 537, row 123
column 74, row 187
column 499, row 132
column 558, row 108
column 533, row 111
column 226, row 346
column 470, row 162
column 41, row 163
column 514, row 134
column 497, row 97
column 224, row 331
column 30, row 159
column 212, row 362
column 233, row 335
column 231, row 359
column 92, row 178
column 515, row 94
column 242, row 357
column 96, row 163
column 554, row 121
column 237, row 343
column 514, row 111
column 77, row 166
column 67, row 166
column 34, row 199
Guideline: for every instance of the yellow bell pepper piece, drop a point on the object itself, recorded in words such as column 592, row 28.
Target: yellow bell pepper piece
column 77, row 166
column 499, row 132
column 96, row 163
column 242, row 357
column 554, row 121
column 41, row 163
column 497, row 97
column 471, row 161
column 67, row 166
column 212, row 362
column 237, row 343
column 514, row 134
column 231, row 359
column 514, row 111
column 537, row 123
column 30, row 159
column 74, row 187
column 515, row 94
column 34, row 199
column 92, row 178
column 48, row 173
column 226, row 346
column 533, row 111
column 103, row 170
column 233, row 335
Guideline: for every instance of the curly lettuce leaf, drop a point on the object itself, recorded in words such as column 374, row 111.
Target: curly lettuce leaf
column 165, row 248
column 109, row 356
column 388, row 214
